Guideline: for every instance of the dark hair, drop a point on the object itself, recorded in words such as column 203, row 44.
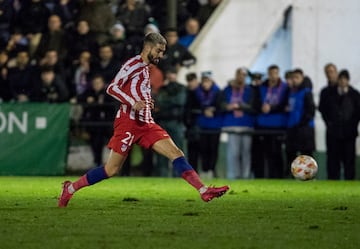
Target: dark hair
column 191, row 76
column 170, row 29
column 288, row 74
column 299, row 71
column 96, row 76
column 154, row 38
column 344, row 74
column 256, row 76
column 272, row 67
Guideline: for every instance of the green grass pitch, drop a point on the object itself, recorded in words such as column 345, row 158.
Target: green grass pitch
column 168, row 213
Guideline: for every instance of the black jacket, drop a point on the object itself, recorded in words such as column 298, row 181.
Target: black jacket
column 176, row 55
column 56, row 92
column 340, row 112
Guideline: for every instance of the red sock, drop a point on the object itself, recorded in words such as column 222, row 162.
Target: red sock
column 80, row 183
column 193, row 178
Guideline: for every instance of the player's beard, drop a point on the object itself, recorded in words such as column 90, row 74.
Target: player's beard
column 153, row 60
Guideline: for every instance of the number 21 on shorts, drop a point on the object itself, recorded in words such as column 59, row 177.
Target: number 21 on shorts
column 127, row 141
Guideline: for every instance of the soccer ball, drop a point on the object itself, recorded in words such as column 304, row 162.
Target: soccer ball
column 304, row 168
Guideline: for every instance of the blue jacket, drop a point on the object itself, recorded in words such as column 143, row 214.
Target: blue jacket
column 209, row 99
column 246, row 119
column 277, row 98
column 300, row 133
column 301, row 108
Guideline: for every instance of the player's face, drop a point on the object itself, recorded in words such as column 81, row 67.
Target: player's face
column 156, row 53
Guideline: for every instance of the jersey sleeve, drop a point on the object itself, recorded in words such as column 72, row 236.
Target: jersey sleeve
column 116, row 87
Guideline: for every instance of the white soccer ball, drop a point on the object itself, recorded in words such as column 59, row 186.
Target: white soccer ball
column 304, row 168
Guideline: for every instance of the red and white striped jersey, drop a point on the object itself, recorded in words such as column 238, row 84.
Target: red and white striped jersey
column 132, row 84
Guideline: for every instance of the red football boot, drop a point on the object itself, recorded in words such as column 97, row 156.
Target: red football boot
column 213, row 192
column 65, row 195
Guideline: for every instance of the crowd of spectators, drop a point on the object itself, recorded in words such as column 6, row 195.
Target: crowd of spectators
column 78, row 40
column 269, row 120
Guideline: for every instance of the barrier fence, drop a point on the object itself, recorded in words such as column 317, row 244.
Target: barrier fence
column 33, row 138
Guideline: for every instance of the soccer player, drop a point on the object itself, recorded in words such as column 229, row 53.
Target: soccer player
column 134, row 124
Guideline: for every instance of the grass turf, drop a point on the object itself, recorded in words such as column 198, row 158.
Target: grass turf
column 167, row 213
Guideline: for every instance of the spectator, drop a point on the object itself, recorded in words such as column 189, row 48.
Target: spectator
column 331, row 74
column 16, row 7
column 271, row 122
column 134, row 15
column 340, row 111
column 117, row 42
column 80, row 76
column 300, row 133
column 256, row 79
column 17, row 42
column 51, row 59
column 209, row 121
column 168, row 113
column 32, row 19
column 5, row 92
column 50, row 87
column 236, row 100
column 99, row 16
column 307, row 83
column 67, row 10
column 81, row 39
column 206, row 10
column 175, row 55
column 53, row 39
column 192, row 110
column 98, row 108
column 182, row 14
column 107, row 66
column 192, row 27
column 332, row 81
column 21, row 77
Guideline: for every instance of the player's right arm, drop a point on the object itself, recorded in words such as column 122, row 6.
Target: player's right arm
column 116, row 87
column 119, row 88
